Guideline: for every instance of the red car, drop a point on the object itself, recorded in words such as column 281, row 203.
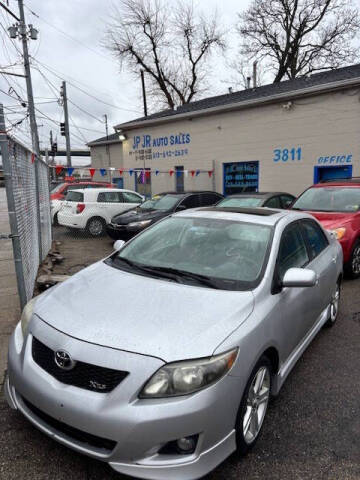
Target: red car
column 60, row 191
column 336, row 205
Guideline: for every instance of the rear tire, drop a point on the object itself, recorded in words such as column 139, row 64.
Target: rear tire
column 96, row 226
column 353, row 265
column 253, row 406
column 56, row 221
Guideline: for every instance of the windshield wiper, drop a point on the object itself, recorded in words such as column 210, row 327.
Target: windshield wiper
column 144, row 269
column 203, row 279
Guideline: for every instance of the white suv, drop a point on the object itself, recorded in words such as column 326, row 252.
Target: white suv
column 92, row 208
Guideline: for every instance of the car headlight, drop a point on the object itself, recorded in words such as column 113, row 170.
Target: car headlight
column 139, row 224
column 339, row 233
column 185, row 377
column 27, row 314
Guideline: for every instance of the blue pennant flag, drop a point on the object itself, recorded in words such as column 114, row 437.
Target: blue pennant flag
column 70, row 171
column 197, row 173
column 103, row 172
column 157, row 172
column 131, row 171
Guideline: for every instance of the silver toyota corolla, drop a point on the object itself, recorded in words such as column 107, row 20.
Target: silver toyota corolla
column 160, row 359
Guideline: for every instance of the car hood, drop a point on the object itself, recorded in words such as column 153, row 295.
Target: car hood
column 332, row 220
column 138, row 215
column 145, row 315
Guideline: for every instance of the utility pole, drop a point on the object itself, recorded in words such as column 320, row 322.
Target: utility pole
column 66, row 121
column 31, row 107
column 108, row 146
column 143, row 91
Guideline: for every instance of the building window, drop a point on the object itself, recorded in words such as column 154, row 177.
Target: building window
column 241, row 177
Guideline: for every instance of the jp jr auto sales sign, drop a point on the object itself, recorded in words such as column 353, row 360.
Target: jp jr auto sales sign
column 146, row 147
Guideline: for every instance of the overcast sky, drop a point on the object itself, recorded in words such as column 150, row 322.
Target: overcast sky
column 80, row 59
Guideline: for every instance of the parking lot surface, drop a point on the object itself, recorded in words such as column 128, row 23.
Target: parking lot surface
column 312, row 430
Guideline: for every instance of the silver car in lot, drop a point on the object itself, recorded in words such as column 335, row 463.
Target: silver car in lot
column 161, row 359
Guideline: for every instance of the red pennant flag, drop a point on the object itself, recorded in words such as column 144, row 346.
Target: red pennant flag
column 92, row 171
column 147, row 173
column 58, row 169
column 121, row 171
column 192, row 172
column 32, row 157
column 210, row 172
column 171, row 173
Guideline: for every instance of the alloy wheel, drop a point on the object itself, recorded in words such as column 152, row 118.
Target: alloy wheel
column 96, row 227
column 256, row 404
column 334, row 306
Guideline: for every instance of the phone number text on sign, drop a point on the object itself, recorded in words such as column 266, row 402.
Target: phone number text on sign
column 287, row 154
column 170, row 153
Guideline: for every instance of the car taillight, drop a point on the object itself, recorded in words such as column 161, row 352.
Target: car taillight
column 80, row 207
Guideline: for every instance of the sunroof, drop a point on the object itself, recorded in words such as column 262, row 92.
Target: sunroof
column 262, row 212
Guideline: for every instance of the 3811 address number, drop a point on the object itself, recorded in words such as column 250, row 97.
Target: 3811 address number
column 285, row 154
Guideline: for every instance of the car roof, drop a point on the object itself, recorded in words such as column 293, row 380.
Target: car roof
column 351, row 182
column 258, row 194
column 102, row 189
column 192, row 192
column 260, row 216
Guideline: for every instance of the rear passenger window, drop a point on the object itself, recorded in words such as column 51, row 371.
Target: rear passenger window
column 315, row 238
column 209, row 199
column 286, row 201
column 192, row 201
column 273, row 202
column 74, row 196
column 110, row 197
column 292, row 252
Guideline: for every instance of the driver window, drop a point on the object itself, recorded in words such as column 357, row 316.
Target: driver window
column 292, row 251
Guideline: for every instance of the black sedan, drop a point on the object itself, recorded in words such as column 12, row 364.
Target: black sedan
column 133, row 221
column 258, row 199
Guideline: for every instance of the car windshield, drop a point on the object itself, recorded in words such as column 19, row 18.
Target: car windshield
column 149, row 204
column 329, row 199
column 240, row 202
column 218, row 253
column 165, row 202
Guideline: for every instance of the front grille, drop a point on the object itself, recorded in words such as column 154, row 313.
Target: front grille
column 71, row 432
column 83, row 375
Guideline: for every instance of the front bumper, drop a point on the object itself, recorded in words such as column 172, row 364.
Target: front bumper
column 138, row 428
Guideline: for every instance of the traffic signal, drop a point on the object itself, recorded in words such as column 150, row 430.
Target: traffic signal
column 62, row 129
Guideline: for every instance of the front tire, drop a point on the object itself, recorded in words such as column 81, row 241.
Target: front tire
column 353, row 265
column 253, row 406
column 334, row 306
column 96, row 226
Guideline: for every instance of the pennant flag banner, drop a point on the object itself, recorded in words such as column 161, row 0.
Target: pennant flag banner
column 210, row 172
column 69, row 171
column 131, row 171
column 58, row 169
column 171, row 173
column 157, row 172
column 32, row 157
column 186, row 173
column 103, row 172
column 147, row 173
column 92, row 172
column 82, row 172
column 197, row 173
column 121, row 171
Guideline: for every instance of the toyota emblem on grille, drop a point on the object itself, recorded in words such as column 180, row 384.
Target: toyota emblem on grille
column 63, row 360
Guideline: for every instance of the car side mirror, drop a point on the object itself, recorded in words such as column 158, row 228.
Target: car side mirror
column 299, row 277
column 118, row 245
column 180, row 208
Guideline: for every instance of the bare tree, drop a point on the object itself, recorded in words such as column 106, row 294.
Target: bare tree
column 172, row 45
column 298, row 37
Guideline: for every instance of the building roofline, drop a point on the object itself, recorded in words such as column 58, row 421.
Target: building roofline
column 303, row 92
column 95, row 143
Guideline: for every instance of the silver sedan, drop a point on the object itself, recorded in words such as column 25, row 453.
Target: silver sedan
column 161, row 359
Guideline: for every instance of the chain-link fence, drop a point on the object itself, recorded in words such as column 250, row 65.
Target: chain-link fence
column 27, row 189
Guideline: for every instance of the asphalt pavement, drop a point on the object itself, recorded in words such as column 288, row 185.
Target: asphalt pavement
column 312, row 430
